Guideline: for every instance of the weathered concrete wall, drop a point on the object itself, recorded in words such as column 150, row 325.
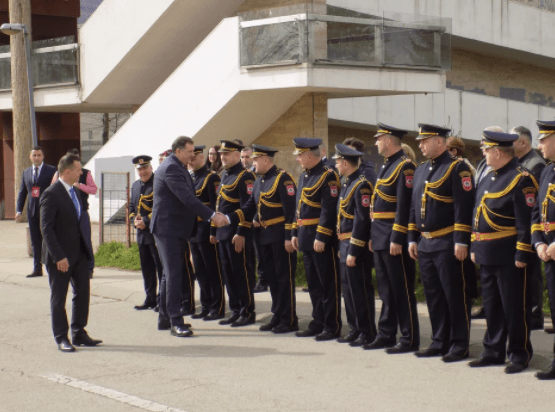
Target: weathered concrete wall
column 548, row 5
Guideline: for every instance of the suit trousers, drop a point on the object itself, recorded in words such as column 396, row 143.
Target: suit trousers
column 324, row 288
column 504, row 293
column 209, row 277
column 36, row 241
column 238, row 270
column 280, row 267
column 358, row 294
column 172, row 254
column 550, row 277
column 150, row 265
column 78, row 276
column 396, row 276
column 443, row 279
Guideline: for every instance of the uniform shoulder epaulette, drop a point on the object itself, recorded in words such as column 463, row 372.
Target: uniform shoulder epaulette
column 523, row 171
column 362, row 178
column 421, row 163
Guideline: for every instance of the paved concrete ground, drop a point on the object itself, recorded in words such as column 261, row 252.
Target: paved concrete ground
column 223, row 369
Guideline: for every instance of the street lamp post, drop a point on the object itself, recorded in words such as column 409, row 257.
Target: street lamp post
column 12, row 29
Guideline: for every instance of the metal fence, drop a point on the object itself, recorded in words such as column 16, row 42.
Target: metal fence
column 114, row 215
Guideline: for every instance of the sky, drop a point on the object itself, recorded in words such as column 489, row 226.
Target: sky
column 87, row 8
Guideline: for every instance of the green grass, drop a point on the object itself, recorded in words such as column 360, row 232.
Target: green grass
column 115, row 254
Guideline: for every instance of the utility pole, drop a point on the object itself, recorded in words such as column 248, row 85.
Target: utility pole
column 20, row 12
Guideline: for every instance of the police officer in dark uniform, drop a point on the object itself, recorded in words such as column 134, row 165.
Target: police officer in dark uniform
column 273, row 202
column 501, row 245
column 235, row 242
column 543, row 222
column 314, row 235
column 353, row 233
column 140, row 208
column 395, row 270
column 203, row 244
column 439, row 236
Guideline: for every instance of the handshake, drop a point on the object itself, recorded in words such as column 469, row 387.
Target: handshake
column 220, row 220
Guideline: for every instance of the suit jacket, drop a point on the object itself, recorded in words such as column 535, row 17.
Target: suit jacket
column 27, row 182
column 176, row 207
column 141, row 203
column 534, row 163
column 62, row 231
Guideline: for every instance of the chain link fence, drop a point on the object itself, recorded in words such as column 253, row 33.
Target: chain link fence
column 115, row 191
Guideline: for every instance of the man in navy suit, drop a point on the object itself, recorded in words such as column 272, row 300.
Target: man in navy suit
column 173, row 223
column 34, row 182
column 66, row 233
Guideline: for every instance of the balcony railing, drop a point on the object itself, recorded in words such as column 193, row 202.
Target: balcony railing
column 362, row 39
column 55, row 63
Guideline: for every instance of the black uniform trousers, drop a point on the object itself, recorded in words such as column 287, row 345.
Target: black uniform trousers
column 324, row 288
column 150, row 265
column 396, row 277
column 209, row 277
column 188, row 305
column 36, row 241
column 443, row 279
column 173, row 253
column 358, row 294
column 262, row 278
column 535, row 284
column 280, row 267
column 550, row 277
column 504, row 294
column 238, row 271
column 78, row 276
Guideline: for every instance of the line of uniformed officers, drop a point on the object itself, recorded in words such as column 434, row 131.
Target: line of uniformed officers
column 347, row 221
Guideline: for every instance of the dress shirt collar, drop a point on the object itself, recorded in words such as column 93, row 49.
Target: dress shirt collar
column 67, row 186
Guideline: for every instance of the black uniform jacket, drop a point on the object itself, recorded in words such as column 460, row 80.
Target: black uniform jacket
column 273, row 204
column 316, row 211
column 234, row 192
column 368, row 170
column 502, row 216
column 206, row 184
column 543, row 213
column 442, row 201
column 141, row 204
column 353, row 219
column 390, row 206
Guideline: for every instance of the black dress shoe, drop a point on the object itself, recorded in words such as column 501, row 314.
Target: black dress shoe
column 146, row 305
column 379, row 343
column 181, row 331
column 285, row 328
column 484, row 362
column 548, row 329
column 306, row 333
column 35, row 275
column 401, row 348
column 83, row 338
column 200, row 315
column 325, row 336
column 213, row 316
column 260, row 288
column 452, row 357
column 429, row 353
column 478, row 313
column 229, row 320
column 244, row 321
column 267, row 327
column 65, row 346
column 156, row 308
column 547, row 375
column 515, row 368
column 362, row 340
column 351, row 337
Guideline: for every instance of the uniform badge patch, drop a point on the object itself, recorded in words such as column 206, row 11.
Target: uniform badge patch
column 249, row 188
column 365, row 200
column 333, row 190
column 467, row 183
column 290, row 190
column 530, row 199
column 409, row 181
column 217, row 185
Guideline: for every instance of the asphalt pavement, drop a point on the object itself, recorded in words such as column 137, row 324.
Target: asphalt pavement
column 224, row 369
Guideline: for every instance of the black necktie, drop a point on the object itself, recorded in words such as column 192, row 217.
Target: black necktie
column 36, row 176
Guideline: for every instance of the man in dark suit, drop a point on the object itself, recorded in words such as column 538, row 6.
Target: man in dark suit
column 68, row 253
column 173, row 223
column 34, row 182
column 140, row 209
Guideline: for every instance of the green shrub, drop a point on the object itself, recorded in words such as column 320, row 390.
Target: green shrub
column 115, row 254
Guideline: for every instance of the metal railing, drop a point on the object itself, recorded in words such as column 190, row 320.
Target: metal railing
column 362, row 39
column 114, row 214
column 55, row 63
